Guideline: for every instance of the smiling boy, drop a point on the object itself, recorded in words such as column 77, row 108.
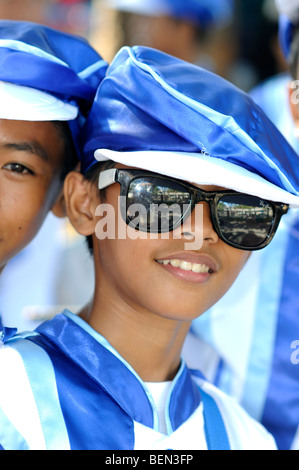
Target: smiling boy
column 47, row 83
column 160, row 130
column 30, row 159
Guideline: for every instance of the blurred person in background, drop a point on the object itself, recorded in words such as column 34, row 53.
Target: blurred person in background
column 272, row 94
column 68, row 15
column 198, row 31
column 261, row 369
column 26, row 10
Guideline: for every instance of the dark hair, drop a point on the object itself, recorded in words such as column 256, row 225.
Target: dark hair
column 294, row 56
column 92, row 176
column 70, row 156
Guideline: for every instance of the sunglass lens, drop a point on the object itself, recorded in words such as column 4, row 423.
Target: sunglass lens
column 156, row 205
column 245, row 220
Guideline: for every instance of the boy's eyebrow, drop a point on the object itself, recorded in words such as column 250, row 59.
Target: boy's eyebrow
column 32, row 147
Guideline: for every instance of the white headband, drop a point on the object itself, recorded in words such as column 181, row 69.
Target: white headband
column 22, row 103
column 201, row 169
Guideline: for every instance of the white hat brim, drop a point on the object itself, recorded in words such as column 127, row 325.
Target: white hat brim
column 22, row 103
column 148, row 8
column 203, row 170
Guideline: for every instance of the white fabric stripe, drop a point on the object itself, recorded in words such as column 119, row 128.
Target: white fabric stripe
column 20, row 412
column 91, row 69
column 201, row 169
column 10, row 438
column 227, row 122
column 42, row 377
column 23, row 47
column 295, row 444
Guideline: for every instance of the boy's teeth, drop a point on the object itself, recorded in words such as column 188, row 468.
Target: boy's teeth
column 186, row 265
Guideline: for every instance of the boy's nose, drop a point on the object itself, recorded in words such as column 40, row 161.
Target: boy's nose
column 199, row 225
column 209, row 233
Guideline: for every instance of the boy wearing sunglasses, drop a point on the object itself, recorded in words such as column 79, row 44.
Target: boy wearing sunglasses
column 180, row 157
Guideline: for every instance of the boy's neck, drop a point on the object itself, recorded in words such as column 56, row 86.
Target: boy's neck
column 151, row 346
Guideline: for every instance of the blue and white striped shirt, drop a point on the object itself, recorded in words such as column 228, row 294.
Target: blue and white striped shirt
column 65, row 387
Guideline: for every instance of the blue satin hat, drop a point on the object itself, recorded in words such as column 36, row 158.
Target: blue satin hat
column 46, row 75
column 203, row 12
column 159, row 113
column 288, row 22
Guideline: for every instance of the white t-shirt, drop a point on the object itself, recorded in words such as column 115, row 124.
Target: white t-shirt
column 159, row 392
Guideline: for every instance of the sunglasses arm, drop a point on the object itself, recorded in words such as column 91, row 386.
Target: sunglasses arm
column 107, row 177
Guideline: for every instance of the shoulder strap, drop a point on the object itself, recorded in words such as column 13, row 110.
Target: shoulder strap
column 216, row 434
column 34, row 377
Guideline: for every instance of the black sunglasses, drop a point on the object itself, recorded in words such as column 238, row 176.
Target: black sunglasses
column 243, row 221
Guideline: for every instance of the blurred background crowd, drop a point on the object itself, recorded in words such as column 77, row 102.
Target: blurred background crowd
column 240, row 44
column 243, row 47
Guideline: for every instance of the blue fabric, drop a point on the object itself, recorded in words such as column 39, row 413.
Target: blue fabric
column 281, row 410
column 152, row 101
column 84, row 357
column 6, row 333
column 57, row 63
column 88, row 398
column 216, row 435
column 62, row 77
column 100, row 364
column 86, row 406
column 181, row 409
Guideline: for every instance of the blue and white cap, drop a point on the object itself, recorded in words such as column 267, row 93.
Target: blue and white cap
column 202, row 12
column 159, row 113
column 288, row 22
column 46, row 75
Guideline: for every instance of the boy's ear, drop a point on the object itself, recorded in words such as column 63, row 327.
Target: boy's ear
column 59, row 208
column 80, row 202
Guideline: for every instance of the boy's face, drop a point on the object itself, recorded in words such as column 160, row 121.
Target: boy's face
column 134, row 272
column 30, row 162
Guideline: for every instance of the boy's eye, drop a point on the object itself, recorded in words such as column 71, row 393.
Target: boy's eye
column 17, row 168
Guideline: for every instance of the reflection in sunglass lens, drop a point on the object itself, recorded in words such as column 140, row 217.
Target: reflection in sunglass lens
column 156, row 205
column 245, row 220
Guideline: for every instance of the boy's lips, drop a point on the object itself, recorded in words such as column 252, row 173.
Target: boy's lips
column 189, row 266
